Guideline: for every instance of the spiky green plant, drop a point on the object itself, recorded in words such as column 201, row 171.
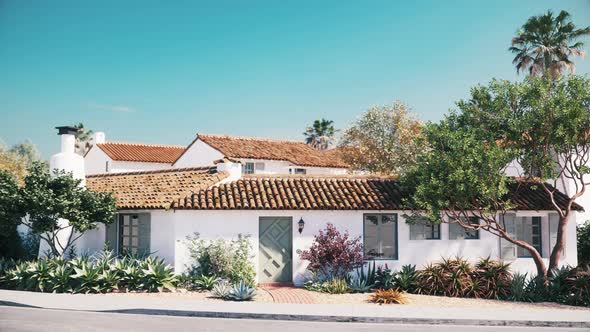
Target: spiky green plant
column 39, row 274
column 241, row 292
column 357, row 284
column 61, row 278
column 87, row 278
column 221, row 289
column 204, row 282
column 158, row 275
column 405, row 279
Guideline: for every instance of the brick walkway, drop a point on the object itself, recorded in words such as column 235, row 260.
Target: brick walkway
column 286, row 294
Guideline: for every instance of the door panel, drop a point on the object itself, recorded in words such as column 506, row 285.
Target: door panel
column 275, row 249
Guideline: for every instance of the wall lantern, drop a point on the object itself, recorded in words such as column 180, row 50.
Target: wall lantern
column 301, row 224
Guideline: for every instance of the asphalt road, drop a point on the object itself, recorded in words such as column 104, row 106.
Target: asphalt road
column 21, row 319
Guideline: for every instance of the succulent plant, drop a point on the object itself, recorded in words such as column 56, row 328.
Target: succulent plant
column 388, row 296
column 221, row 289
column 241, row 292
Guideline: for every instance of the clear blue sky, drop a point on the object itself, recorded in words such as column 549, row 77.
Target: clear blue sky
column 159, row 72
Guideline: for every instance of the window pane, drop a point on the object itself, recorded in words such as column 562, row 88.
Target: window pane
column 134, row 241
column 371, row 245
column 457, row 232
column 125, row 241
column 388, row 236
column 424, row 229
column 125, row 230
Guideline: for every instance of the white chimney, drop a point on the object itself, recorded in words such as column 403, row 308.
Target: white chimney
column 99, row 137
column 234, row 169
column 67, row 159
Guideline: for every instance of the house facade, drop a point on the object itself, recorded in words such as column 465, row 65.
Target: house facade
column 209, row 190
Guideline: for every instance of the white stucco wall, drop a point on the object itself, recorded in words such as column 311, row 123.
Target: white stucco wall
column 198, row 154
column 95, row 161
column 169, row 230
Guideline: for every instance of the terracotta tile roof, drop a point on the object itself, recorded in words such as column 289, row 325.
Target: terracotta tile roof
column 531, row 196
column 326, row 193
column 298, row 153
column 154, row 189
column 151, row 153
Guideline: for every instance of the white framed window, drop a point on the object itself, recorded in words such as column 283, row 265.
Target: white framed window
column 129, row 234
column 529, row 229
column 380, row 236
column 299, row 171
column 457, row 232
column 106, row 167
column 424, row 229
column 248, row 168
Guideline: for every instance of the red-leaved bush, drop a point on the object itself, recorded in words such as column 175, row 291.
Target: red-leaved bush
column 333, row 254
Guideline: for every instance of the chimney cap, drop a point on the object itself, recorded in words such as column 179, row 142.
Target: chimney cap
column 66, row 130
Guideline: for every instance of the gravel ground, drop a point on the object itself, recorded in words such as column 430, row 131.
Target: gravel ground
column 413, row 300
column 441, row 302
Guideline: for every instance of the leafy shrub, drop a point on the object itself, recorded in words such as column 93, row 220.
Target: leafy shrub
column 388, row 296
column 332, row 254
column 241, row 292
column 220, row 258
column 583, row 236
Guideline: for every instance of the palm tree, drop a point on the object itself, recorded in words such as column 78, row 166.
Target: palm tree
column 547, row 43
column 321, row 134
column 83, row 139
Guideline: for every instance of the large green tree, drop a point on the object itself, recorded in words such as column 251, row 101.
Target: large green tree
column 384, row 140
column 45, row 200
column 543, row 124
column 320, row 134
column 547, row 43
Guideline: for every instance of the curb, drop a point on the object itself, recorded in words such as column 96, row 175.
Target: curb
column 352, row 319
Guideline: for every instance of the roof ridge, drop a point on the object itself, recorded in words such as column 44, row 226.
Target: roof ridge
column 318, row 177
column 167, row 170
column 143, row 144
column 250, row 138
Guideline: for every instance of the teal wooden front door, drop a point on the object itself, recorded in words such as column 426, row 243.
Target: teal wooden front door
column 276, row 249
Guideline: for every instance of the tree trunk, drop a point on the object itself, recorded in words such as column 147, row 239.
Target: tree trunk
column 559, row 244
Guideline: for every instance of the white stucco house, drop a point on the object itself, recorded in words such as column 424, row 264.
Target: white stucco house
column 282, row 193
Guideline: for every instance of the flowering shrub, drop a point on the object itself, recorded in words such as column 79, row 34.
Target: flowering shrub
column 220, row 258
column 333, row 254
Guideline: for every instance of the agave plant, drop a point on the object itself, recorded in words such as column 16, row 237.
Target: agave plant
column 158, row 275
column 132, row 277
column 204, row 282
column 384, row 278
column 39, row 274
column 518, row 287
column 61, row 278
column 19, row 277
column 241, row 292
column 221, row 289
column 87, row 278
column 405, row 279
column 358, row 284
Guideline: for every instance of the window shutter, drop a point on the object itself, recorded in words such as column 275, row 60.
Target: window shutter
column 112, row 234
column 143, row 241
column 508, row 249
column 553, row 225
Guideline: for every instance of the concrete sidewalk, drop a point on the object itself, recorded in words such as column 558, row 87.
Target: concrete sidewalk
column 142, row 304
